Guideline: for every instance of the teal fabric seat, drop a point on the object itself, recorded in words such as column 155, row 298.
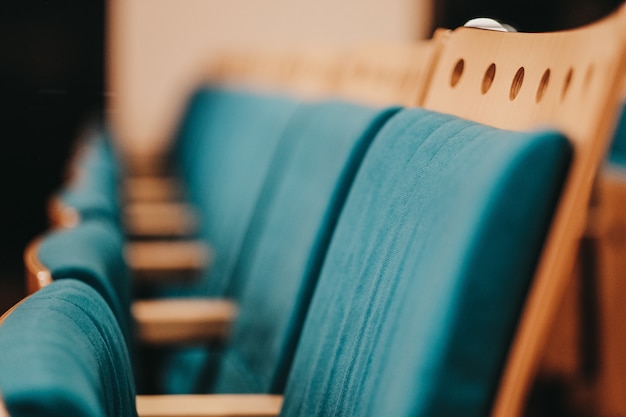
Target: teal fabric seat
column 427, row 270
column 92, row 252
column 93, row 191
column 62, row 354
column 223, row 151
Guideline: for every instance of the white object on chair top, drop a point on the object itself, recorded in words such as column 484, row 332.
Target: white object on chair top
column 489, row 24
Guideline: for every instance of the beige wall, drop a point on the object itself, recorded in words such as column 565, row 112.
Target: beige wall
column 157, row 48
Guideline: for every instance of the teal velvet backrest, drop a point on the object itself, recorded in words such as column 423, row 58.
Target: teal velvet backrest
column 427, row 270
column 303, row 194
column 308, row 174
column 63, row 354
column 92, row 252
column 92, row 190
column 223, row 152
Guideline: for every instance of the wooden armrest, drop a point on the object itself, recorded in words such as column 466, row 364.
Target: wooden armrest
column 3, row 409
column 183, row 321
column 61, row 215
column 167, row 261
column 37, row 274
column 209, row 405
column 138, row 189
column 159, row 219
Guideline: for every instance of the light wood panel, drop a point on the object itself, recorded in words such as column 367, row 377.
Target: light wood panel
column 159, row 219
column 167, row 260
column 209, row 405
column 182, row 321
column 389, row 74
column 151, row 189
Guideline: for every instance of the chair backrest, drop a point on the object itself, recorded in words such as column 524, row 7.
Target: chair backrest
column 224, row 150
column 279, row 264
column 306, row 72
column 92, row 187
column 389, row 74
column 427, row 270
column 570, row 81
column 63, row 354
column 92, row 252
column 380, row 74
column 313, row 71
column 251, row 69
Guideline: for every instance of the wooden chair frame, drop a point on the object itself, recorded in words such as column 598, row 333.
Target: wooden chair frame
column 507, row 80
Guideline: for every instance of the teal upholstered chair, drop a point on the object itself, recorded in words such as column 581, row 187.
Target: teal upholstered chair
column 90, row 252
column 427, row 270
column 63, row 354
column 223, row 152
column 288, row 236
column 92, row 189
column 283, row 248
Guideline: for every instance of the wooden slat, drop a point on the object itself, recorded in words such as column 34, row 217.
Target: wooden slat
column 375, row 73
column 159, row 219
column 389, row 74
column 167, row 260
column 580, row 98
column 182, row 321
column 209, row 405
column 144, row 189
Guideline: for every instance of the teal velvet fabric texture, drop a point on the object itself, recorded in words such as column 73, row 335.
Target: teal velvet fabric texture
column 308, row 173
column 92, row 252
column 93, row 192
column 427, row 270
column 223, row 151
column 63, row 355
column 305, row 189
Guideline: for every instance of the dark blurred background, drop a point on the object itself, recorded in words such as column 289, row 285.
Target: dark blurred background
column 525, row 16
column 51, row 83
